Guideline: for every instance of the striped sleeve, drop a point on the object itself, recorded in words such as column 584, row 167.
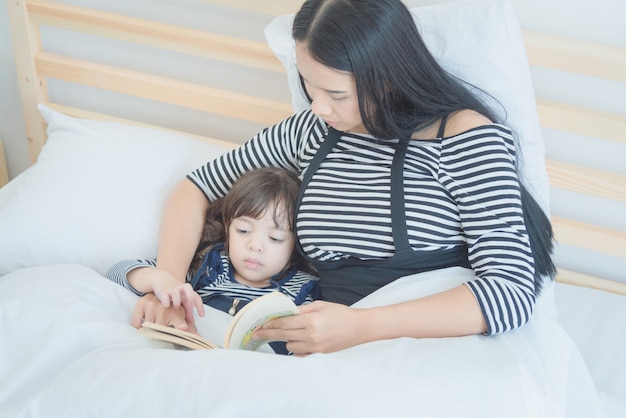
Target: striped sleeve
column 286, row 144
column 478, row 169
column 119, row 272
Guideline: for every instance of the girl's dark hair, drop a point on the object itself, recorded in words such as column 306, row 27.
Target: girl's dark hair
column 253, row 194
column 400, row 86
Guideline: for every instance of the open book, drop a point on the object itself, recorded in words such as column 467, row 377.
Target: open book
column 239, row 333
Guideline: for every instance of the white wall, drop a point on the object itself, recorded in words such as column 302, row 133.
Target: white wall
column 12, row 131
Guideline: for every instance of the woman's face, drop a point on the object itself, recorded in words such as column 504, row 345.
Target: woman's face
column 259, row 249
column 333, row 92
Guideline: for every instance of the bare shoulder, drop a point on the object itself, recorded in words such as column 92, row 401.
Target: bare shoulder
column 464, row 120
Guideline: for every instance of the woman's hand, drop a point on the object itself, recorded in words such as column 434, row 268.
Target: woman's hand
column 150, row 308
column 321, row 327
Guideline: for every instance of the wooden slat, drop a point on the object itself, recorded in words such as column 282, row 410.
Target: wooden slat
column 575, row 55
column 589, row 237
column 4, row 174
column 593, row 282
column 194, row 96
column 270, row 7
column 86, row 114
column 33, row 89
column 582, row 121
column 154, row 34
column 587, row 180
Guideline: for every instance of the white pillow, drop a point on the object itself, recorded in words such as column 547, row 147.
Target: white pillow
column 95, row 195
column 479, row 41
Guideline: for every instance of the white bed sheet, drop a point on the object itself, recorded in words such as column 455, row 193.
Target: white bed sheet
column 67, row 350
column 596, row 322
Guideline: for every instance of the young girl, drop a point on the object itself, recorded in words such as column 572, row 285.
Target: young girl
column 246, row 250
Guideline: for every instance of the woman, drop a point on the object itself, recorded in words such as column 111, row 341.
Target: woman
column 404, row 171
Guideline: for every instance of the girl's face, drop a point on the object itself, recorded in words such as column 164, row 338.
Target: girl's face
column 259, row 249
column 333, row 93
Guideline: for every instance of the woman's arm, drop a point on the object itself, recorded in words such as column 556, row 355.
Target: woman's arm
column 327, row 327
column 478, row 169
column 181, row 228
column 502, row 289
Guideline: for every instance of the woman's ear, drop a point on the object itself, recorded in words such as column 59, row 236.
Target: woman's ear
column 303, row 87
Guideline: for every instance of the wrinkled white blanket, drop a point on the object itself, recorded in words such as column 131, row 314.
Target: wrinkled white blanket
column 67, row 350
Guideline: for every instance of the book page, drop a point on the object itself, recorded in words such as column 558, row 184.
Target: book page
column 176, row 336
column 254, row 315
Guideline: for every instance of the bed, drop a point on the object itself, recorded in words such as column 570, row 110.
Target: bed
column 110, row 136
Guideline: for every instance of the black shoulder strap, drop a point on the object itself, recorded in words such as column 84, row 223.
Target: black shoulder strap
column 442, row 127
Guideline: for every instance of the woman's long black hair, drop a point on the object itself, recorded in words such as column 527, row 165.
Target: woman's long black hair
column 401, row 88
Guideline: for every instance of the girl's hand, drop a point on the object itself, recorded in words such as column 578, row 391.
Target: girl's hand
column 321, row 327
column 150, row 308
column 169, row 289
column 171, row 292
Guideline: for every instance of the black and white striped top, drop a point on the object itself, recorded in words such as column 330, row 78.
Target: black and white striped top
column 458, row 190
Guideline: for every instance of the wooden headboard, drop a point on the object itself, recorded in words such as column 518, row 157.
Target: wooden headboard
column 37, row 66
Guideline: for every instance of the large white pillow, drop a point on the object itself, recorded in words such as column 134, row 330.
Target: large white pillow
column 95, row 195
column 479, row 41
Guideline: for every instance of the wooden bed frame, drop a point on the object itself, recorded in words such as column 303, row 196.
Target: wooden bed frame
column 35, row 67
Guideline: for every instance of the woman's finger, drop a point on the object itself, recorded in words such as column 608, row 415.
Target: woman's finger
column 287, row 328
column 287, row 323
column 280, row 334
column 298, row 348
column 138, row 315
column 179, row 322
